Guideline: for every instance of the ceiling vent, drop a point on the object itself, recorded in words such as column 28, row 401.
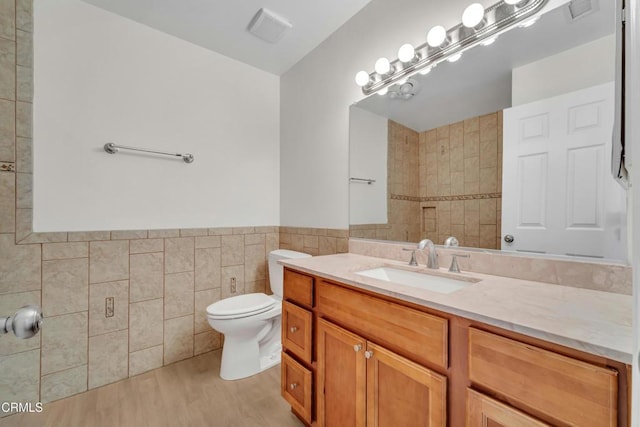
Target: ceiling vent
column 269, row 26
column 581, row 8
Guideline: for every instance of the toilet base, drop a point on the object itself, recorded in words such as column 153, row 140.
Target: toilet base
column 242, row 358
column 271, row 360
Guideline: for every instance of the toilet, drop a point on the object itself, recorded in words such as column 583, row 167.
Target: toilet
column 251, row 324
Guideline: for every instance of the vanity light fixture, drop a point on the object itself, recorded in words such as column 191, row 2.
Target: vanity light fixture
column 437, row 37
column 406, row 53
column 529, row 23
column 479, row 26
column 362, row 78
column 487, row 42
column 382, row 66
column 473, row 16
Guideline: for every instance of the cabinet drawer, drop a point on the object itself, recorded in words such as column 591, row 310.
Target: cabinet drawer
column 483, row 411
column 298, row 288
column 296, row 386
column 297, row 330
column 412, row 333
column 563, row 389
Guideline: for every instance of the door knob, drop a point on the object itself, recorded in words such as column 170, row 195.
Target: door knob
column 509, row 238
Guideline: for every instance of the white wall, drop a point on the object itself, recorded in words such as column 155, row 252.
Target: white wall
column 368, row 137
column 315, row 96
column 584, row 66
column 99, row 78
column 316, row 93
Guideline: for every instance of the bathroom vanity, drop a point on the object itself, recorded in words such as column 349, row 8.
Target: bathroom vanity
column 359, row 350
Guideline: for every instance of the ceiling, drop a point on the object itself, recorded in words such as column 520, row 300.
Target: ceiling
column 221, row 26
column 480, row 82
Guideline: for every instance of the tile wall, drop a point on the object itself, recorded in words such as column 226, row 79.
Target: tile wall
column 161, row 280
column 461, row 180
column 442, row 182
column 314, row 241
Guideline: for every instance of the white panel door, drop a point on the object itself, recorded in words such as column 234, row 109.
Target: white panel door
column 558, row 196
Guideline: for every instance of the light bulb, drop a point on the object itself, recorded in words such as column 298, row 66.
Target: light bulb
column 490, row 41
column 473, row 15
column 382, row 66
column 454, row 58
column 530, row 22
column 406, row 53
column 362, row 78
column 436, row 36
column 425, row 71
column 383, row 91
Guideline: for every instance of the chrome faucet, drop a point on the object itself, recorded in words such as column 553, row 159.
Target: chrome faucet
column 432, row 261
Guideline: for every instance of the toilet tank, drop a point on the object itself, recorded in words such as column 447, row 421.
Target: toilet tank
column 276, row 271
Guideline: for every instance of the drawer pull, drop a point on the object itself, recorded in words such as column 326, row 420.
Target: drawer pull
column 293, row 329
column 293, row 386
column 357, row 347
column 368, row 354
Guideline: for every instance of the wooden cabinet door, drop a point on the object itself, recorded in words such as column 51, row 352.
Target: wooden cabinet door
column 482, row 411
column 341, row 384
column 403, row 393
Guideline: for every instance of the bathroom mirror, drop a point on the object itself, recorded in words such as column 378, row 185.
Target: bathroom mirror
column 508, row 148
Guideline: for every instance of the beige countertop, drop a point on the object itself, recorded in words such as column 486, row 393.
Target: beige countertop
column 595, row 322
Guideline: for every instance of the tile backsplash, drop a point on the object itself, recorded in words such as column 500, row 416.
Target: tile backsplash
column 314, row 241
column 599, row 276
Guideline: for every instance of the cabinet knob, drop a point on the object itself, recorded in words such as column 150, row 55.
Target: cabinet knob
column 293, row 386
column 509, row 238
column 357, row 347
column 293, row 329
column 368, row 354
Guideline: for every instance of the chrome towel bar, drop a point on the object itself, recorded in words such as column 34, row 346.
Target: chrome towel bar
column 367, row 180
column 112, row 148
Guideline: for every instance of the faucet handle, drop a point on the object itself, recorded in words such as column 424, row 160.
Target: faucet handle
column 451, row 242
column 454, row 268
column 413, row 256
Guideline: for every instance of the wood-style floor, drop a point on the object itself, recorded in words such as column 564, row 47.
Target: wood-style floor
column 188, row 393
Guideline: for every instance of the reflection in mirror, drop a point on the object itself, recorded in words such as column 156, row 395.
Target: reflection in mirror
column 508, row 148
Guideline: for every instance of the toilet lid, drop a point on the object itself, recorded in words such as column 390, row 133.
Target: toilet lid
column 241, row 305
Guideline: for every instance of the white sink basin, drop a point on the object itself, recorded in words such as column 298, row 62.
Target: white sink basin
column 444, row 285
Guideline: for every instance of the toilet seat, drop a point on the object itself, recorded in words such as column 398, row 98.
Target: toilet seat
column 241, row 306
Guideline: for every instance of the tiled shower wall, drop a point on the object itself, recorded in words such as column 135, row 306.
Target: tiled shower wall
column 442, row 182
column 461, row 181
column 160, row 280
